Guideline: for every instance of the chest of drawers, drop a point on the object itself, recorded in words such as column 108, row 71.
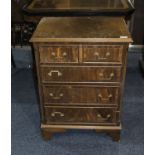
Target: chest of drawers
column 81, row 65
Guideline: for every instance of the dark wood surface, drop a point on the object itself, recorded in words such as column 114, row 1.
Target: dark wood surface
column 73, row 54
column 59, row 54
column 48, row 7
column 81, row 83
column 74, row 74
column 80, row 115
column 81, row 95
column 81, row 29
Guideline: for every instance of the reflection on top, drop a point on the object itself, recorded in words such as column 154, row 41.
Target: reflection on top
column 79, row 4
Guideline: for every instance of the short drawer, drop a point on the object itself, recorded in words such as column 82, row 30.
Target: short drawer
column 65, row 54
column 103, row 54
column 81, row 74
column 81, row 95
column 80, row 115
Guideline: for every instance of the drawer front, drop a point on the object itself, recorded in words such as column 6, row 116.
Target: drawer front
column 81, row 95
column 76, row 115
column 103, row 54
column 81, row 74
column 58, row 54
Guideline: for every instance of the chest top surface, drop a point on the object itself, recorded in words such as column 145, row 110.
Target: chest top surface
column 81, row 29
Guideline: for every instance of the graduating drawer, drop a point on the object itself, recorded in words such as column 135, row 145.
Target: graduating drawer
column 81, row 74
column 80, row 115
column 103, row 54
column 81, row 95
column 64, row 54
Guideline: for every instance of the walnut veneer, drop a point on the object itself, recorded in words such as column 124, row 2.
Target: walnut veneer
column 81, row 65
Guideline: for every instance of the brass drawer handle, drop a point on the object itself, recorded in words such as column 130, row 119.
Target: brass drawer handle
column 53, row 114
column 53, row 53
column 56, row 97
column 104, row 119
column 110, row 76
column 64, row 54
column 54, row 71
column 105, row 99
column 102, row 58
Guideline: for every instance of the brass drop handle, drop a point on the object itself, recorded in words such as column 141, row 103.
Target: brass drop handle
column 56, row 97
column 109, row 78
column 101, row 97
column 101, row 58
column 53, row 114
column 54, row 71
column 104, row 119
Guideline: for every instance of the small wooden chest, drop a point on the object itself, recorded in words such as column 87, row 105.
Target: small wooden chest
column 81, row 65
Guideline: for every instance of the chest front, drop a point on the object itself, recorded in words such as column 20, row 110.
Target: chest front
column 81, row 65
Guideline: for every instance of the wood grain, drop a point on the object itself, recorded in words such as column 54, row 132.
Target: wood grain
column 81, row 73
column 58, row 54
column 81, row 29
column 81, row 95
column 79, row 115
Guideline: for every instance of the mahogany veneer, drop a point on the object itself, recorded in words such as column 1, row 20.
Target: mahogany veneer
column 81, row 65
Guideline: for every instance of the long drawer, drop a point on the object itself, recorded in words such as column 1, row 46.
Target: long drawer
column 81, row 95
column 80, row 115
column 81, row 74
